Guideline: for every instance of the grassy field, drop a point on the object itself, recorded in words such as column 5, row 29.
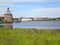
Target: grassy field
column 29, row 37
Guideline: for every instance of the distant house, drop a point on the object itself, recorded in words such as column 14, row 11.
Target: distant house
column 26, row 19
column 37, row 19
column 57, row 18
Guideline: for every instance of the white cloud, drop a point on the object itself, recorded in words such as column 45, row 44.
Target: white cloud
column 11, row 2
column 41, row 12
column 22, row 0
column 47, row 9
column 28, row 1
column 5, row 4
column 52, row 12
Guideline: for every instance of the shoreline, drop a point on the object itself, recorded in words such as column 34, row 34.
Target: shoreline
column 29, row 28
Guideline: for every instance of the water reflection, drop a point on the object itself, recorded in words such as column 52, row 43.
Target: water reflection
column 34, row 24
column 6, row 26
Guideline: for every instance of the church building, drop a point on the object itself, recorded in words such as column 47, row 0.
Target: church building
column 8, row 16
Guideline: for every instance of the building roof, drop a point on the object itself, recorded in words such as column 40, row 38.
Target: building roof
column 8, row 11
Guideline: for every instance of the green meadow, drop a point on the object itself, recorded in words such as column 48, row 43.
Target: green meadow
column 29, row 37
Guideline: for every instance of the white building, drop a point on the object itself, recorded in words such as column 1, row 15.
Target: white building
column 26, row 19
column 37, row 19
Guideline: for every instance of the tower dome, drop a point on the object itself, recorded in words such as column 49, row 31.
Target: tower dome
column 8, row 11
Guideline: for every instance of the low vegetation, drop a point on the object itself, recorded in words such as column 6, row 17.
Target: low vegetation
column 29, row 37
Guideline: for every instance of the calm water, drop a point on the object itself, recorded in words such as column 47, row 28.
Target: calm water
column 34, row 24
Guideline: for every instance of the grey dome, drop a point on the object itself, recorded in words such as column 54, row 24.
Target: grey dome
column 8, row 11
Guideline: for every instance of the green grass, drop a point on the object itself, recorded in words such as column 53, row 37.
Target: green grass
column 29, row 37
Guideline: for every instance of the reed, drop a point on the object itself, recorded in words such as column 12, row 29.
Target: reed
column 29, row 37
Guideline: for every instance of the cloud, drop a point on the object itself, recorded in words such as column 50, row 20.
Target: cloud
column 28, row 1
column 48, row 12
column 47, row 9
column 40, row 12
column 12, row 2
column 52, row 11
column 5, row 4
column 22, row 1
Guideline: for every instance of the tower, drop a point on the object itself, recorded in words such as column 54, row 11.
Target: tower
column 8, row 16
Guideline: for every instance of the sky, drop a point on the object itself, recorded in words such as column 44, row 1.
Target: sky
column 31, row 8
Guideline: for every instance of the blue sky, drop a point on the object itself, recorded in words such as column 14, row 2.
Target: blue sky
column 31, row 8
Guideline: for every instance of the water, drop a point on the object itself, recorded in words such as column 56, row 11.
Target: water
column 34, row 24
